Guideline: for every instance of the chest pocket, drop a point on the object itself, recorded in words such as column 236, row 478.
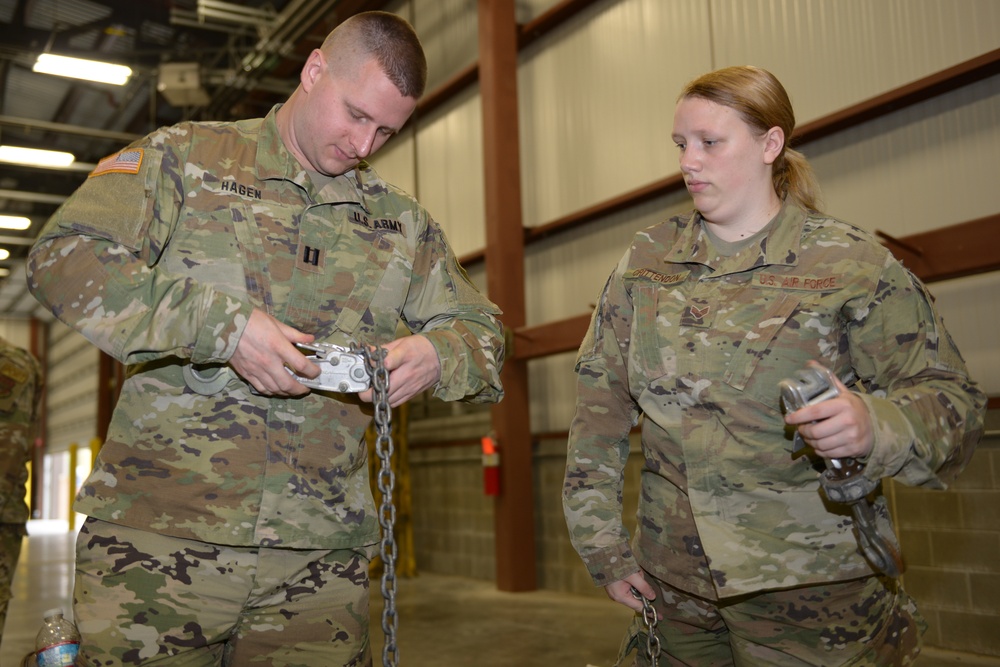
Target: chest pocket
column 350, row 281
column 757, row 344
column 652, row 354
column 359, row 302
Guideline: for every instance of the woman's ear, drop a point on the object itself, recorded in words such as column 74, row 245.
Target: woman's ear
column 774, row 143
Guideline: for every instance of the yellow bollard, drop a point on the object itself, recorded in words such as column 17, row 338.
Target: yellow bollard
column 73, row 447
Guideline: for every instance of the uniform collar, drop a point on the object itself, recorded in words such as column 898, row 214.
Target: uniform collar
column 785, row 240
column 779, row 247
column 275, row 161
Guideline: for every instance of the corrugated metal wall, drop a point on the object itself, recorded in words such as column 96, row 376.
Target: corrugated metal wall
column 449, row 172
column 833, row 53
column 16, row 332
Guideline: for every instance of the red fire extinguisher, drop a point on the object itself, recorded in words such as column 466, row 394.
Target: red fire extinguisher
column 491, row 465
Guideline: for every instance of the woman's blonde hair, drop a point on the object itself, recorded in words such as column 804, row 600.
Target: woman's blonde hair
column 762, row 102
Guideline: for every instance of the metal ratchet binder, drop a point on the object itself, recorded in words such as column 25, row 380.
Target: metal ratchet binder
column 843, row 481
column 342, row 369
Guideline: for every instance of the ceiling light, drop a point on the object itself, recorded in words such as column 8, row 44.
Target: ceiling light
column 14, row 222
column 4, row 254
column 35, row 157
column 4, row 272
column 77, row 68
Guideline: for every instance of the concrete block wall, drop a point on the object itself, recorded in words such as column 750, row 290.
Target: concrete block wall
column 951, row 544
column 452, row 518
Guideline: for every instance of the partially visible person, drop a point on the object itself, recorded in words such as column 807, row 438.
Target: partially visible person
column 745, row 561
column 21, row 386
column 230, row 519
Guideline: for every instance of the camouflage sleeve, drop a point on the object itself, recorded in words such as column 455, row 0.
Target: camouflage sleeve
column 21, row 386
column 599, row 440
column 928, row 414
column 94, row 267
column 444, row 306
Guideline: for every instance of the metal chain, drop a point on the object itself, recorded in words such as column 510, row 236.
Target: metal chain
column 649, row 618
column 386, row 482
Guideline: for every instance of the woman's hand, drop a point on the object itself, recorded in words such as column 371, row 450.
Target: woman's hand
column 837, row 428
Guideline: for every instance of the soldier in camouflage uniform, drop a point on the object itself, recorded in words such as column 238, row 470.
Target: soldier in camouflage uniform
column 20, row 399
column 745, row 560
column 230, row 516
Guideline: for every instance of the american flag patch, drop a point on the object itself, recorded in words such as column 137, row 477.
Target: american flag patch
column 125, row 162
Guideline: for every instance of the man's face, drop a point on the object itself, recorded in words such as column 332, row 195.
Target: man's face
column 347, row 115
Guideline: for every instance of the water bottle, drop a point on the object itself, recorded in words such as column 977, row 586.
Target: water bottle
column 58, row 642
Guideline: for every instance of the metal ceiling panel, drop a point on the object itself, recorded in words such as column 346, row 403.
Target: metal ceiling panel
column 52, row 14
column 7, row 9
column 28, row 95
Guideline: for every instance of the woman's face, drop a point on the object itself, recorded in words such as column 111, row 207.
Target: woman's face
column 726, row 167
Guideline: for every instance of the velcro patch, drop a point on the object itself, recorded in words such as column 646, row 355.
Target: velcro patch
column 696, row 314
column 656, row 277
column 11, row 375
column 127, row 161
column 811, row 283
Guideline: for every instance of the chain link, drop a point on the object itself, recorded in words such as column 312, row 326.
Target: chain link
column 649, row 618
column 386, row 482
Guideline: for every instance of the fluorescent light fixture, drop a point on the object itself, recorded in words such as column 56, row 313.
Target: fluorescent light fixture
column 4, row 253
column 14, row 222
column 35, row 157
column 78, row 68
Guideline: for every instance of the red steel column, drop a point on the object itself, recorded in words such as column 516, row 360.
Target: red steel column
column 515, row 506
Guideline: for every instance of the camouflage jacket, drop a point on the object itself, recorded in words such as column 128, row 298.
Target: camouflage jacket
column 697, row 343
column 20, row 399
column 160, row 257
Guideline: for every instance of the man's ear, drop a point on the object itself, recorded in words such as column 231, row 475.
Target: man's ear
column 312, row 70
column 774, row 143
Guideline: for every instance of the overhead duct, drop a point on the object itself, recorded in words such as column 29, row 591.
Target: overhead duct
column 48, row 126
column 290, row 25
column 180, row 85
column 228, row 12
column 40, row 197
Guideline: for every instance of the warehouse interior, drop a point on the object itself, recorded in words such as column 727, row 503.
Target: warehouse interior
column 541, row 146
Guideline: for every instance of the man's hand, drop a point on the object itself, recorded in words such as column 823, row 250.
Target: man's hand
column 413, row 366
column 837, row 428
column 621, row 591
column 266, row 347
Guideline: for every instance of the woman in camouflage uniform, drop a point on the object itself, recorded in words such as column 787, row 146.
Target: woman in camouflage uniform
column 745, row 559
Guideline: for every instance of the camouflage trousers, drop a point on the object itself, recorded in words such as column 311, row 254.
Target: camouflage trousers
column 145, row 598
column 11, row 537
column 862, row 623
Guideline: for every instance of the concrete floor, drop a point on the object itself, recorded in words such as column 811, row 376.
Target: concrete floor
column 443, row 621
column 457, row 621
